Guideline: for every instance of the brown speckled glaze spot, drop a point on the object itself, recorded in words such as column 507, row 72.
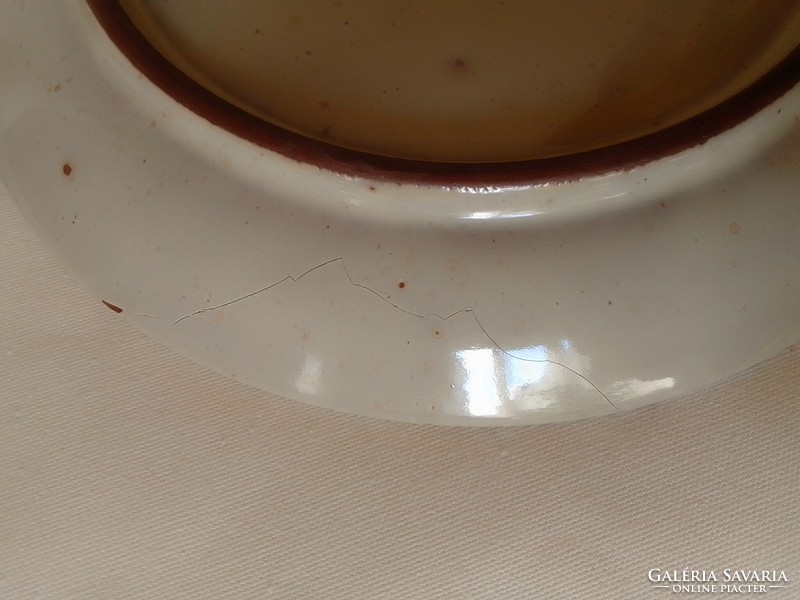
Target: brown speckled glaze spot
column 66, row 169
column 459, row 66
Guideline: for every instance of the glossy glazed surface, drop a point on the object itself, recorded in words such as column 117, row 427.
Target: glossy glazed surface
column 461, row 305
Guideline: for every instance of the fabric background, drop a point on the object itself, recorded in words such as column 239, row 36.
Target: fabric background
column 127, row 471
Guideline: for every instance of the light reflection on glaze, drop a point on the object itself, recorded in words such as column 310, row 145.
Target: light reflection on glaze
column 482, row 375
column 486, row 215
column 498, row 189
column 506, row 382
column 307, row 381
column 636, row 388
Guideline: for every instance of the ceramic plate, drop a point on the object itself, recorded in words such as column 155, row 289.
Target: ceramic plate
column 465, row 305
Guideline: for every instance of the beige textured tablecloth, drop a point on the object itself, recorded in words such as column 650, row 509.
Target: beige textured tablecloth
column 127, row 471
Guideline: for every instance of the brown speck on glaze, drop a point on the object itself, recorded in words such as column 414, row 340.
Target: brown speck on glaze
column 437, row 333
column 459, row 66
column 734, row 228
column 372, row 188
column 66, row 169
column 610, row 303
column 116, row 309
column 401, row 284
